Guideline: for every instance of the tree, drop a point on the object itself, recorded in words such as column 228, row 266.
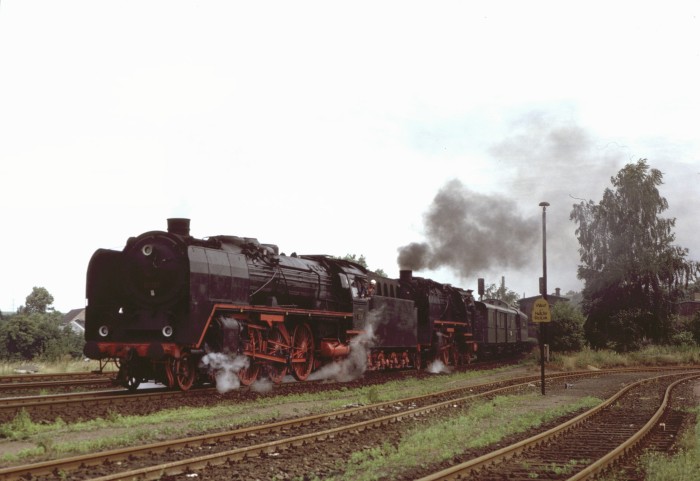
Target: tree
column 21, row 339
column 363, row 262
column 501, row 292
column 38, row 336
column 38, row 301
column 632, row 270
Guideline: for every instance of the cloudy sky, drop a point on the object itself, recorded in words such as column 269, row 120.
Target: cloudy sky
column 337, row 127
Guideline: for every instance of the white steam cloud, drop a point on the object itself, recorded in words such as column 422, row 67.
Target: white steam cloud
column 225, row 369
column 262, row 385
column 353, row 366
column 438, row 367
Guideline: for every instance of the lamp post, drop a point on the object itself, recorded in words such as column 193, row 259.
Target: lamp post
column 543, row 288
column 544, row 206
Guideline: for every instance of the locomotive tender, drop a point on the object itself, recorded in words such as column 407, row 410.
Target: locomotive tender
column 166, row 300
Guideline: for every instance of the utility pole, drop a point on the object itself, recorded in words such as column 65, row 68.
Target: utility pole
column 543, row 289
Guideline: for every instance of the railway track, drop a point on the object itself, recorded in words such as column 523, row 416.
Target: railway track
column 15, row 379
column 26, row 388
column 43, row 384
column 83, row 405
column 93, row 404
column 154, row 461
column 582, row 447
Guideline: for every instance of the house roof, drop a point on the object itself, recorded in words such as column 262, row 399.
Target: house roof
column 74, row 315
column 549, row 297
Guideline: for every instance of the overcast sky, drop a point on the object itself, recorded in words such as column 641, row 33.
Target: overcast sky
column 337, row 127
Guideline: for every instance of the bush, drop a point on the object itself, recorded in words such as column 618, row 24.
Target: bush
column 694, row 327
column 626, row 331
column 684, row 338
column 565, row 332
column 37, row 336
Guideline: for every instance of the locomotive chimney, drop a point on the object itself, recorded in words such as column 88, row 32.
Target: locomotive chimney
column 406, row 275
column 179, row 226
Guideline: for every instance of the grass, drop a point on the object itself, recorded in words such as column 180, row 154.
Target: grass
column 68, row 365
column 649, row 356
column 685, row 466
column 479, row 425
column 128, row 430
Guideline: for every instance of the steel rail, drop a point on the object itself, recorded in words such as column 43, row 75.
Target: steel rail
column 463, row 469
column 22, row 378
column 12, row 405
column 54, row 384
column 47, row 467
column 68, row 463
column 632, row 442
column 178, row 467
column 40, row 405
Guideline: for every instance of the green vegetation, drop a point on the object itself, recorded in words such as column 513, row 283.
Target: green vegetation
column 684, row 466
column 127, row 430
column 502, row 293
column 34, row 332
column 632, row 270
column 38, row 302
column 567, row 468
column 688, row 330
column 475, row 426
column 565, row 332
column 363, row 262
column 65, row 364
column 605, row 358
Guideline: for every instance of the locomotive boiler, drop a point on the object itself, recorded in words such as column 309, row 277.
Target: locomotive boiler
column 165, row 301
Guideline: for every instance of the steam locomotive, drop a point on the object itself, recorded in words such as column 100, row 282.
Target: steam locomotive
column 167, row 300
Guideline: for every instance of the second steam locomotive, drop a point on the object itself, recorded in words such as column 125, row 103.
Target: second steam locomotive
column 167, row 300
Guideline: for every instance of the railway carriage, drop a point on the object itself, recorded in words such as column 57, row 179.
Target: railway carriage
column 499, row 328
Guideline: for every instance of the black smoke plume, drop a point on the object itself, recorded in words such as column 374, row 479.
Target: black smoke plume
column 470, row 232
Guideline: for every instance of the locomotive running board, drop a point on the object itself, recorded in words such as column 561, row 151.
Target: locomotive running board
column 270, row 314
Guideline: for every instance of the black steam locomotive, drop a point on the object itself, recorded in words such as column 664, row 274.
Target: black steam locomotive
column 166, row 300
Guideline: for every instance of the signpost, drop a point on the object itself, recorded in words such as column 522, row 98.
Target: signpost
column 542, row 315
column 541, row 312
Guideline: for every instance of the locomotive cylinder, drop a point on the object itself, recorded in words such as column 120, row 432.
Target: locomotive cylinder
column 331, row 349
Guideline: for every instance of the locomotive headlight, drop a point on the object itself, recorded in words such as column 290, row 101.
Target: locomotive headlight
column 167, row 331
column 103, row 331
column 147, row 250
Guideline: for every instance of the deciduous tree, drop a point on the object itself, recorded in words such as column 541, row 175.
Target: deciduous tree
column 363, row 262
column 629, row 262
column 38, row 301
column 502, row 293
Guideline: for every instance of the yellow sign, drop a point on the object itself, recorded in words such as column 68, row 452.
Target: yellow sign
column 541, row 312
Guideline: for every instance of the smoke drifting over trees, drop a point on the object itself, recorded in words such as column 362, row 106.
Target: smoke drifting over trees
column 470, row 232
column 542, row 156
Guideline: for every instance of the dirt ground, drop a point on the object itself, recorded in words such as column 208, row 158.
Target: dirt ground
column 320, row 461
column 325, row 460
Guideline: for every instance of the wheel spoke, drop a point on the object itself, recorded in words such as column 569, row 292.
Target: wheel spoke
column 276, row 347
column 248, row 375
column 185, row 372
column 302, row 352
